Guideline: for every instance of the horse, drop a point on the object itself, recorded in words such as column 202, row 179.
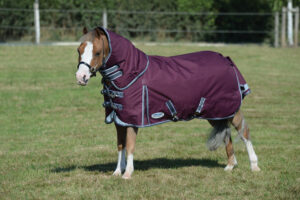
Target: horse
column 141, row 90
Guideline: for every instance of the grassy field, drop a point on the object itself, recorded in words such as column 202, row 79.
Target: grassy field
column 54, row 143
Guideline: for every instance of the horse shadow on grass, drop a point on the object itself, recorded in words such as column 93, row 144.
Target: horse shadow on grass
column 142, row 165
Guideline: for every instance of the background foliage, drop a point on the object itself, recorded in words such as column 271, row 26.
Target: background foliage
column 64, row 25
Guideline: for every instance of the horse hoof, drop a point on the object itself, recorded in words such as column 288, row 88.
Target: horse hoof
column 117, row 173
column 229, row 168
column 126, row 176
column 255, row 168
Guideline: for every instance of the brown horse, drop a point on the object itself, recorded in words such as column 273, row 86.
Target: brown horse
column 93, row 52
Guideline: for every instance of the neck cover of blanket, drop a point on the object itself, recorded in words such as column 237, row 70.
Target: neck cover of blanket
column 141, row 90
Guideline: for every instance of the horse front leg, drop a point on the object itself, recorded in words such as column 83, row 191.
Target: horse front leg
column 121, row 142
column 130, row 146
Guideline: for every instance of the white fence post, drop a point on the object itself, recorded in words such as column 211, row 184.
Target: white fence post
column 296, row 27
column 290, row 23
column 276, row 29
column 104, row 19
column 36, row 21
column 283, row 27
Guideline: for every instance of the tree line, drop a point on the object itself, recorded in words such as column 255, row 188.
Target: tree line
column 211, row 24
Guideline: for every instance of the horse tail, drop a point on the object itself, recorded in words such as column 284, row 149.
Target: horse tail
column 220, row 133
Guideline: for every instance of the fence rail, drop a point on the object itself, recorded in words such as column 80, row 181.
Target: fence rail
column 139, row 12
column 63, row 23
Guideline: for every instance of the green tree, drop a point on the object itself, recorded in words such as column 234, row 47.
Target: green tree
column 245, row 22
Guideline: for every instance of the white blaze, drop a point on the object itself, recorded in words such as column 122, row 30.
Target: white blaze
column 121, row 165
column 87, row 53
column 83, row 70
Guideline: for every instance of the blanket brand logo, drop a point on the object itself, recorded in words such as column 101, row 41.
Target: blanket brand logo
column 157, row 115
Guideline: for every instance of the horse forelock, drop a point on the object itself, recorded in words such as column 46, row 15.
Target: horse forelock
column 89, row 37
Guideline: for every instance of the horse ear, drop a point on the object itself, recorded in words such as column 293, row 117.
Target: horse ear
column 98, row 32
column 85, row 31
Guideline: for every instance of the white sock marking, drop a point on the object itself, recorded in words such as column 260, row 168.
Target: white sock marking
column 230, row 167
column 121, row 163
column 252, row 156
column 251, row 153
column 129, row 168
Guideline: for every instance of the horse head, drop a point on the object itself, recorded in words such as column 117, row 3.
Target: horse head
column 92, row 51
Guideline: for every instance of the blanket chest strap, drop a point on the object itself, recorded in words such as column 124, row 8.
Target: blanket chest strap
column 114, row 106
column 112, row 93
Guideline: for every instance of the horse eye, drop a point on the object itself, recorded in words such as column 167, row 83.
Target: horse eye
column 97, row 54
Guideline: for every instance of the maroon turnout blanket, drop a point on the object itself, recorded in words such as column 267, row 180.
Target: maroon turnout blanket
column 142, row 90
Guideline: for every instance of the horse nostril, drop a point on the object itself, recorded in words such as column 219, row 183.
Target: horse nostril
column 84, row 80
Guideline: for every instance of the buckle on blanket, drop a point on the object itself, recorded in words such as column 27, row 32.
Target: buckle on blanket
column 114, row 106
column 173, row 111
column 112, row 94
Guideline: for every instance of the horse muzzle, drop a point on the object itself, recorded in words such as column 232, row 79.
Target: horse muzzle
column 82, row 79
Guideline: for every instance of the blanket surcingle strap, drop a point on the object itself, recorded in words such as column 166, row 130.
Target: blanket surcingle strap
column 141, row 90
column 173, row 111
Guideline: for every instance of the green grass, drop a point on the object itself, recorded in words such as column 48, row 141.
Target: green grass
column 54, row 143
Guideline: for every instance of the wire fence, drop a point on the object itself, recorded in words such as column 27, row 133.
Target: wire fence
column 17, row 24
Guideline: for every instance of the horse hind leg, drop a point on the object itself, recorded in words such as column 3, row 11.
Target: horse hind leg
column 232, row 162
column 241, row 126
column 218, row 134
column 222, row 133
